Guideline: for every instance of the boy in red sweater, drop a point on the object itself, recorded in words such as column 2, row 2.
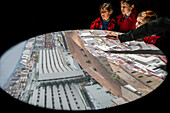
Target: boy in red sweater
column 104, row 22
column 127, row 20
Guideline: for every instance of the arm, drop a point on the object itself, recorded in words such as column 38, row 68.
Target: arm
column 161, row 24
column 93, row 25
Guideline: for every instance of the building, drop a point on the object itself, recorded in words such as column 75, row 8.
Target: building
column 65, row 96
column 55, row 68
column 102, row 98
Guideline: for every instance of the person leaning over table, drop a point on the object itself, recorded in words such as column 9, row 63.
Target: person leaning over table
column 159, row 25
column 143, row 18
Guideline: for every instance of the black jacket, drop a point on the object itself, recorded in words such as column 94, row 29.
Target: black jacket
column 160, row 25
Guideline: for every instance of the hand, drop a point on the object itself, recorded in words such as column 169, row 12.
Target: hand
column 113, row 38
column 112, row 35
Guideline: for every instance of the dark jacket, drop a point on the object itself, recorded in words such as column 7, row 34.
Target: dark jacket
column 159, row 25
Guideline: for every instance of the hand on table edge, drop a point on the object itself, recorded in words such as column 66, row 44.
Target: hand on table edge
column 112, row 35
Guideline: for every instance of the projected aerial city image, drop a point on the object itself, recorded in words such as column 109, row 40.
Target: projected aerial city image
column 81, row 70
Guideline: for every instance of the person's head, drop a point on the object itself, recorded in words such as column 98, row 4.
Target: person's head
column 105, row 11
column 144, row 17
column 127, row 6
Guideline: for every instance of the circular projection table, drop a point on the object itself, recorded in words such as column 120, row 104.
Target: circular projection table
column 81, row 70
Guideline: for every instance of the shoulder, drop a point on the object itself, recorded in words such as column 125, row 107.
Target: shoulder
column 112, row 21
column 133, row 15
column 119, row 16
column 97, row 20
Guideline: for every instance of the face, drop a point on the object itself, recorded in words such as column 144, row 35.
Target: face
column 105, row 14
column 140, row 22
column 126, row 8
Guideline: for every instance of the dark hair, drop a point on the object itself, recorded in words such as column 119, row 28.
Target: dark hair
column 108, row 6
column 130, row 2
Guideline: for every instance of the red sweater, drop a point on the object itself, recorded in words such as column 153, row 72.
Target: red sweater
column 151, row 39
column 97, row 24
column 125, row 24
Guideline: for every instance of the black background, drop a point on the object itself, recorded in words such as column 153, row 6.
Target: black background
column 23, row 20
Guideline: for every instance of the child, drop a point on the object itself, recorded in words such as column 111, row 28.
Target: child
column 104, row 22
column 143, row 18
column 127, row 20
